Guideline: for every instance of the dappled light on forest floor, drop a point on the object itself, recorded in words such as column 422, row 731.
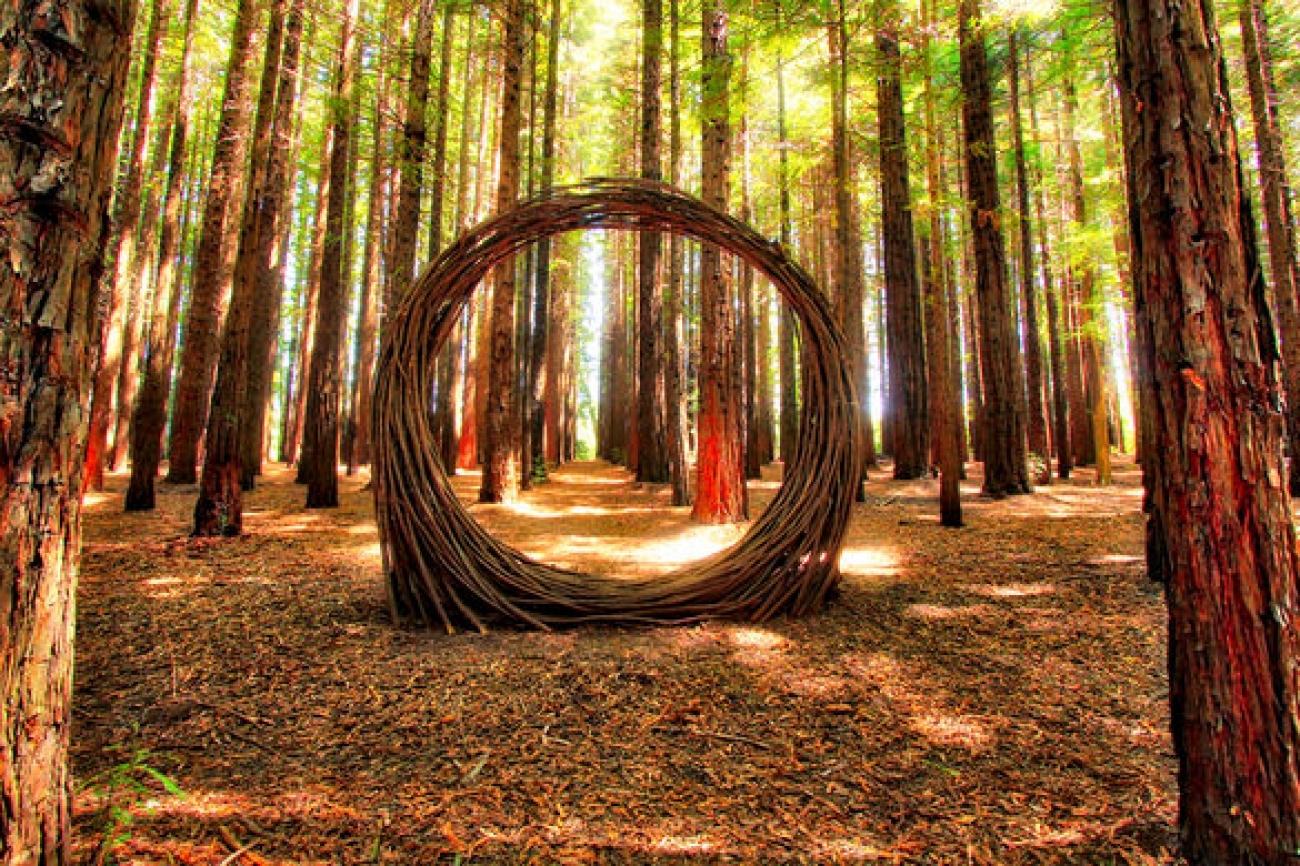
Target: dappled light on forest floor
column 989, row 695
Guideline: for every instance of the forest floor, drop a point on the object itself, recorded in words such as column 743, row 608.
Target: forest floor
column 989, row 695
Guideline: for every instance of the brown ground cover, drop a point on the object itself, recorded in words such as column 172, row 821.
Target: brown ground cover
column 994, row 694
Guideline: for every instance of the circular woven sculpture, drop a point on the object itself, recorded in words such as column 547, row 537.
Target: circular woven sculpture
column 442, row 566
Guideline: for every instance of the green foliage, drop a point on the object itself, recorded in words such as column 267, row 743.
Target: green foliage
column 119, row 790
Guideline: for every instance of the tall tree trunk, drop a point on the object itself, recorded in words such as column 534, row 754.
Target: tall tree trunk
column 1055, row 326
column 1037, row 410
column 150, row 413
column 1091, row 307
column 305, row 335
column 946, row 421
column 371, row 286
column 219, row 509
column 675, row 412
column 747, row 328
column 124, row 292
column 264, row 322
column 850, row 293
column 1005, row 468
column 720, row 489
column 442, row 110
column 908, row 395
column 66, row 70
column 652, row 458
column 1278, row 219
column 501, row 445
column 410, row 162
column 787, row 325
column 1220, row 530
column 535, row 391
column 467, row 444
column 324, row 382
column 214, row 258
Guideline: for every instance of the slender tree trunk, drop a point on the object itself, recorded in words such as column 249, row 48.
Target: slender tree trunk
column 442, row 111
column 1090, row 305
column 676, row 416
column 787, row 326
column 145, row 269
column 125, row 292
column 293, row 446
column 160, row 348
column 1037, row 410
column 1278, row 219
column 1220, row 530
column 850, row 293
column 1055, row 326
column 410, row 161
column 371, row 287
column 946, row 420
column 264, row 322
column 1005, row 469
column 652, row 457
column 467, row 444
column 66, row 71
column 324, row 383
column 219, row 508
column 720, row 490
column 501, row 446
column 908, row 396
column 214, row 258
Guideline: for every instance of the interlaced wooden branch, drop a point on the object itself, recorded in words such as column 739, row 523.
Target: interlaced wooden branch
column 443, row 567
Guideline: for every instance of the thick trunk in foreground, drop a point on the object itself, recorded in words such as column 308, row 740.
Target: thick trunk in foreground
column 214, row 258
column 1005, row 466
column 720, row 488
column 908, row 395
column 62, row 103
column 1220, row 531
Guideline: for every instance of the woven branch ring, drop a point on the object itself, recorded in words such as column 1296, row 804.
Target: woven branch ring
column 442, row 567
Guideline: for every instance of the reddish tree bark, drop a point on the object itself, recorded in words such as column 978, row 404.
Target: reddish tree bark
column 1034, row 393
column 219, row 510
column 264, row 325
column 325, row 377
column 908, row 389
column 125, row 290
column 150, row 416
column 1005, row 470
column 652, row 457
column 850, row 293
column 501, row 441
column 214, row 258
column 1278, row 220
column 720, row 489
column 1220, row 533
column 66, row 69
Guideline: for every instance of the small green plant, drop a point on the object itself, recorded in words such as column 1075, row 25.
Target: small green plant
column 118, row 790
column 539, row 470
